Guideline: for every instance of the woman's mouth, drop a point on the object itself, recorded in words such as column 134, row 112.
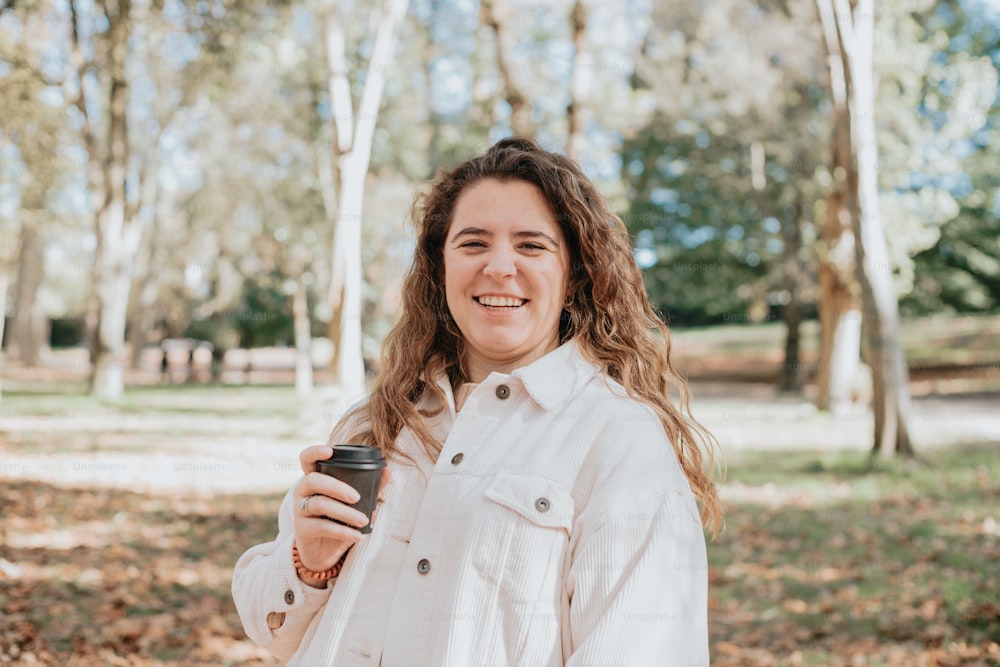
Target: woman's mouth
column 500, row 303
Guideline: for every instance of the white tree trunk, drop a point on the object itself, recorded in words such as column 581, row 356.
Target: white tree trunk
column 350, row 362
column 352, row 148
column 113, row 284
column 116, row 232
column 844, row 359
column 839, row 310
column 890, row 376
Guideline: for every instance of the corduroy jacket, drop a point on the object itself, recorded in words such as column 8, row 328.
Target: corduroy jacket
column 555, row 527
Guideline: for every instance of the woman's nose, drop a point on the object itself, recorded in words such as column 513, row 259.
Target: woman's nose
column 500, row 264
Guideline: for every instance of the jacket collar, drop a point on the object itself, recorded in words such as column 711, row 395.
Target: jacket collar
column 549, row 381
column 557, row 376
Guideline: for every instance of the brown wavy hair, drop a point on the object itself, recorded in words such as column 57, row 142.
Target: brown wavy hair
column 608, row 313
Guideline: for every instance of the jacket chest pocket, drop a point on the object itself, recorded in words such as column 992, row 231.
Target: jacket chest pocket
column 521, row 536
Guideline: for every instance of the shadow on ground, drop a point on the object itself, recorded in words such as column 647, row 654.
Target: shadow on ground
column 110, row 577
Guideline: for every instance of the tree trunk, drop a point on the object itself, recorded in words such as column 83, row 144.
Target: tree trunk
column 28, row 326
column 352, row 152
column 116, row 232
column 146, row 285
column 109, row 379
column 792, row 377
column 580, row 83
column 890, row 376
column 430, row 54
column 142, row 319
column 117, row 238
column 520, row 111
column 143, row 315
column 839, row 310
column 346, row 301
column 91, row 318
column 222, row 341
column 303, row 341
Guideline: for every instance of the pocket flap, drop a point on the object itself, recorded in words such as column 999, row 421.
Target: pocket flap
column 541, row 501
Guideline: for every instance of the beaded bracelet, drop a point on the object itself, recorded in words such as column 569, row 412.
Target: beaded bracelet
column 306, row 573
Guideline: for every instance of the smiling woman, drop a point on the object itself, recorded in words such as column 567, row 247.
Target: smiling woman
column 506, row 272
column 541, row 502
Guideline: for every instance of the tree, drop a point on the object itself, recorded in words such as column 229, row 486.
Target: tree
column 723, row 174
column 891, row 391
column 497, row 19
column 29, row 331
column 106, row 142
column 580, row 83
column 944, row 70
column 839, row 300
column 352, row 147
column 32, row 134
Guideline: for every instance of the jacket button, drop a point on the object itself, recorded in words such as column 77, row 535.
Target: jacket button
column 289, row 596
column 275, row 619
column 423, row 566
column 457, row 458
column 542, row 504
column 503, row 391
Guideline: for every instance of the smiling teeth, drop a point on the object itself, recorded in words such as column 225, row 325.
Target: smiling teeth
column 499, row 301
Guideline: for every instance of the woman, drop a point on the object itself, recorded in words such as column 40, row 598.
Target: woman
column 542, row 502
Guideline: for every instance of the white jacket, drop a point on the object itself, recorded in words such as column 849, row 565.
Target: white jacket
column 555, row 528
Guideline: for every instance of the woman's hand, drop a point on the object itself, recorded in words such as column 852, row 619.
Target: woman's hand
column 321, row 542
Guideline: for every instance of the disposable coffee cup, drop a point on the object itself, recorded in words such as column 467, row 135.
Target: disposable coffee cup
column 360, row 467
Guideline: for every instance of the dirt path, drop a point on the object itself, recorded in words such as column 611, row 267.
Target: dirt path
column 209, row 454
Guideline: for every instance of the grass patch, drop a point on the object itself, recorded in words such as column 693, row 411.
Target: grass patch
column 901, row 553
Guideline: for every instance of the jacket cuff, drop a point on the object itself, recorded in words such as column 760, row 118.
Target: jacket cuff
column 290, row 601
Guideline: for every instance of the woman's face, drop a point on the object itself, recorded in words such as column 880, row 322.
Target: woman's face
column 506, row 270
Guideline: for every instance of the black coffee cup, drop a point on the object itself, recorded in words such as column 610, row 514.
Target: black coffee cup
column 360, row 467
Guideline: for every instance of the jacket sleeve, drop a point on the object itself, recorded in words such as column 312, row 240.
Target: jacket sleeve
column 637, row 576
column 274, row 606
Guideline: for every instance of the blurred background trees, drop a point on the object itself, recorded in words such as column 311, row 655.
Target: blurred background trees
column 183, row 169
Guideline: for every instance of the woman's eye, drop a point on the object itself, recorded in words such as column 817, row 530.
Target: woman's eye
column 473, row 244
column 533, row 246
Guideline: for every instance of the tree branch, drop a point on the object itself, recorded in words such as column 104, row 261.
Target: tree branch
column 520, row 120
column 341, row 103
column 371, row 95
column 79, row 65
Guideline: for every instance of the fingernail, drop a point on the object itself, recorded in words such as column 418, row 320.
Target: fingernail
column 355, row 496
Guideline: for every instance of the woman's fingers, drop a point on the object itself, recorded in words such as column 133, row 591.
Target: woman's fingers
column 324, row 506
column 320, row 498
column 316, row 528
column 310, row 455
column 317, row 483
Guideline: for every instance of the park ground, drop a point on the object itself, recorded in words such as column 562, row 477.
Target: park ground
column 120, row 523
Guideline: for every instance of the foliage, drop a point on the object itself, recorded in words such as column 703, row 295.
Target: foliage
column 958, row 273
column 231, row 100
column 715, row 250
column 720, row 172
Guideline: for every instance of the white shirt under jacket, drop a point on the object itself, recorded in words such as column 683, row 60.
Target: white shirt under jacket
column 555, row 528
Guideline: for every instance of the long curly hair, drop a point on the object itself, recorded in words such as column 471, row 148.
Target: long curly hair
column 608, row 313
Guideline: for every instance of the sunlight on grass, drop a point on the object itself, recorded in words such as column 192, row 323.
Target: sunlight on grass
column 906, row 559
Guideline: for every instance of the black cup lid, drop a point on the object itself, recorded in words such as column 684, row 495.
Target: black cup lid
column 356, row 454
